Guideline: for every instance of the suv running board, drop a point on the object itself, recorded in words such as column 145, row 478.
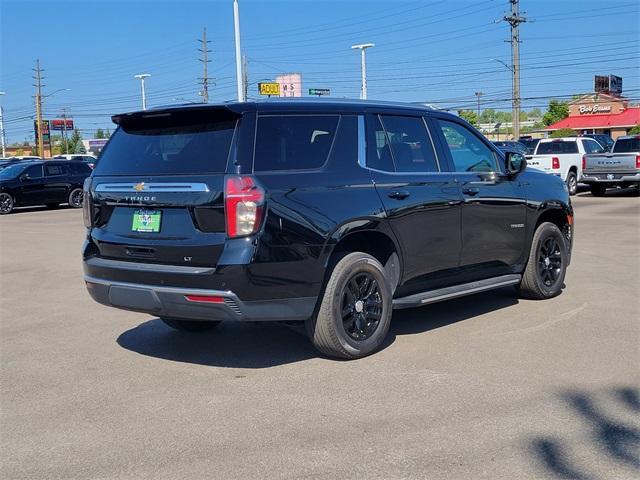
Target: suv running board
column 447, row 293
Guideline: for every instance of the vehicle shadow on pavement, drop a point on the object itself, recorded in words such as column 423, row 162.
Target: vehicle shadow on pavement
column 616, row 440
column 19, row 210
column 612, row 193
column 264, row 345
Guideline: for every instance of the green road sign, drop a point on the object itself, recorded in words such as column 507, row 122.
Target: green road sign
column 319, row 91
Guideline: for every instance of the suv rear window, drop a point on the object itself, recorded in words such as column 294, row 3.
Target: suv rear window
column 545, row 148
column 293, row 142
column 627, row 145
column 167, row 146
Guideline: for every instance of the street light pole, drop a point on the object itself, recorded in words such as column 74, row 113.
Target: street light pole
column 2, row 137
column 236, row 31
column 479, row 94
column 363, row 66
column 141, row 77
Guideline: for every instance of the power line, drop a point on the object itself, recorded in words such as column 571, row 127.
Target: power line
column 204, row 43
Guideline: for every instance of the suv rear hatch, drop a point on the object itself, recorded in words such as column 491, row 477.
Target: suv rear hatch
column 157, row 193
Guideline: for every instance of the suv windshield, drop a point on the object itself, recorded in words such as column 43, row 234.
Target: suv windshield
column 559, row 147
column 11, row 172
column 167, row 146
column 626, row 145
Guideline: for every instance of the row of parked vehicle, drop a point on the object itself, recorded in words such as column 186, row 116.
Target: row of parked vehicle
column 29, row 181
column 595, row 160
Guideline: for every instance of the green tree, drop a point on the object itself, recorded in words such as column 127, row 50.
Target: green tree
column 100, row 133
column 634, row 130
column 563, row 132
column 557, row 111
column 75, row 142
column 469, row 115
column 107, row 134
column 488, row 116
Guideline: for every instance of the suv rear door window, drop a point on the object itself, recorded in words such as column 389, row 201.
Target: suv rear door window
column 468, row 152
column 627, row 145
column 378, row 150
column 410, row 144
column 54, row 170
column 171, row 146
column 559, row 147
column 293, row 142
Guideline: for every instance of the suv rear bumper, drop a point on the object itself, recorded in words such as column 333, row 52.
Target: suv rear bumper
column 172, row 302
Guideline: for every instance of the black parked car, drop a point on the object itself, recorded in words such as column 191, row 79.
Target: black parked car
column 41, row 182
column 327, row 213
column 511, row 147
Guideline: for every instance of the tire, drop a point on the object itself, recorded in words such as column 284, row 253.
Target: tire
column 353, row 317
column 6, row 203
column 572, row 183
column 75, row 198
column 544, row 275
column 598, row 189
column 51, row 206
column 190, row 325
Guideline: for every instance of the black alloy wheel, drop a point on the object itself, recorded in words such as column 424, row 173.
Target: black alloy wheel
column 549, row 261
column 6, row 203
column 361, row 306
column 75, row 198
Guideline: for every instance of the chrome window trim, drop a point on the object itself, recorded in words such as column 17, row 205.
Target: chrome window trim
column 155, row 187
column 362, row 143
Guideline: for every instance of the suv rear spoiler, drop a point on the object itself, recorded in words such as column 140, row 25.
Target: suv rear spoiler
column 197, row 113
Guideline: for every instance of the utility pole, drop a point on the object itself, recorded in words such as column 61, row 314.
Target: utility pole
column 236, row 31
column 2, row 137
column 38, row 78
column 479, row 94
column 245, row 76
column 141, row 77
column 514, row 19
column 363, row 67
column 205, row 61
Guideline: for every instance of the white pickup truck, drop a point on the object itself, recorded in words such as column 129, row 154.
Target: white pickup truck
column 563, row 157
column 618, row 168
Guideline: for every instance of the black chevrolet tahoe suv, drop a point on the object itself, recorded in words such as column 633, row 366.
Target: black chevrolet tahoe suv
column 330, row 214
column 42, row 182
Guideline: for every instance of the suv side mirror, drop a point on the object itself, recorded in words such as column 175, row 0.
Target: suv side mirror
column 516, row 163
column 24, row 176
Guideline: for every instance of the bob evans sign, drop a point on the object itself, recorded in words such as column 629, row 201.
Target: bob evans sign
column 594, row 108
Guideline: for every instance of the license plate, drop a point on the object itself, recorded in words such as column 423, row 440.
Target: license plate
column 146, row 221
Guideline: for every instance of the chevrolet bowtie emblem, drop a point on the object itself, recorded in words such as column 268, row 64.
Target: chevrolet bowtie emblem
column 138, row 187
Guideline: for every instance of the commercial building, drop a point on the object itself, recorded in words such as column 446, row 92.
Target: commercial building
column 605, row 111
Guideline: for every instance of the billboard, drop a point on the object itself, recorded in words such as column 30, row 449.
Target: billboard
column 615, row 85
column 611, row 84
column 269, row 89
column 62, row 124
column 290, row 84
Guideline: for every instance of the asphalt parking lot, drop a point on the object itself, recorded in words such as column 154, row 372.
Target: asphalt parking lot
column 488, row 386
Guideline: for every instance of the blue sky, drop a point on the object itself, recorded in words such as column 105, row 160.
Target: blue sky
column 437, row 51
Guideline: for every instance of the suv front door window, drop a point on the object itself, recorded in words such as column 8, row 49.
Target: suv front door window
column 493, row 210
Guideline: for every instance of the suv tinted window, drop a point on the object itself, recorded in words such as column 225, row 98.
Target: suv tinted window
column 560, row 147
column 468, row 152
column 627, row 145
column 79, row 169
column 34, row 171
column 378, row 151
column 293, row 142
column 54, row 170
column 168, row 147
column 410, row 144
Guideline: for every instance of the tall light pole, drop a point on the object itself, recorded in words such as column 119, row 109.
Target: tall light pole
column 2, row 137
column 236, row 31
column 362, row 47
column 479, row 94
column 141, row 77
column 514, row 19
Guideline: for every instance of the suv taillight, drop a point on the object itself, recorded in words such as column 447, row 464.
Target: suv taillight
column 87, row 208
column 244, row 203
column 584, row 162
column 638, row 161
column 555, row 163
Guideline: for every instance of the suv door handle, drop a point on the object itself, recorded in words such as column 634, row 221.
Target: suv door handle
column 399, row 194
column 472, row 191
